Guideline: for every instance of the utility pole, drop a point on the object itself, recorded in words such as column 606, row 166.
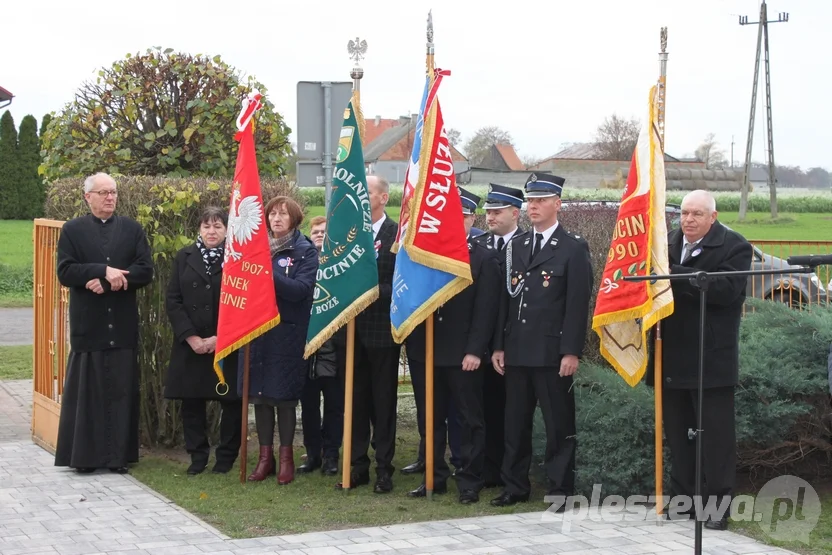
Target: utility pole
column 732, row 151
column 762, row 41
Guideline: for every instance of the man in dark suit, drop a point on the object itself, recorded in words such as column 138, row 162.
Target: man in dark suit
column 376, row 378
column 544, row 311
column 462, row 334
column 502, row 206
column 703, row 244
column 416, row 356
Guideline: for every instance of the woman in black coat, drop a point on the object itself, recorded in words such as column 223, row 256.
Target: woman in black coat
column 277, row 370
column 193, row 300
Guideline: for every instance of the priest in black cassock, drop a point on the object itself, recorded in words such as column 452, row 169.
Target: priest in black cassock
column 103, row 259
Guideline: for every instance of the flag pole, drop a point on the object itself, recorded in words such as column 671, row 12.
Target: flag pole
column 429, row 401
column 244, row 425
column 348, row 400
column 357, row 51
column 658, row 351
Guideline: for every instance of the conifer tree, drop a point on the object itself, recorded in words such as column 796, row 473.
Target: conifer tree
column 30, row 191
column 9, row 172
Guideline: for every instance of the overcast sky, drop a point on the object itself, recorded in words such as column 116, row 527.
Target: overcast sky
column 547, row 72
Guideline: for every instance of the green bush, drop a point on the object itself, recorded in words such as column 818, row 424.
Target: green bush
column 168, row 209
column 783, row 409
column 316, row 196
column 161, row 113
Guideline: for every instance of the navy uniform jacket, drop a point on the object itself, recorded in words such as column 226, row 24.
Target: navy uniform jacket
column 464, row 325
column 545, row 315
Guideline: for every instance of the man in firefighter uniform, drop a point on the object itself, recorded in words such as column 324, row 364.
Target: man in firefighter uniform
column 502, row 208
column 463, row 328
column 544, row 312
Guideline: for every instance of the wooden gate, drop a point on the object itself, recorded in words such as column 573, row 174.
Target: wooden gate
column 51, row 303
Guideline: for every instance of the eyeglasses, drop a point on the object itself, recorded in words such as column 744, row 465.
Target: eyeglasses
column 105, row 193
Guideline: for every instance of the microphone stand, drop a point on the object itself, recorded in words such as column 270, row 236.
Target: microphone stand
column 701, row 280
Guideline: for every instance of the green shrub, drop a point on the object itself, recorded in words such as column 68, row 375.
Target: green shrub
column 161, row 113
column 168, row 209
column 783, row 410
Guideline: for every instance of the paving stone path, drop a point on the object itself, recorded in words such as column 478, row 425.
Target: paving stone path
column 16, row 326
column 54, row 511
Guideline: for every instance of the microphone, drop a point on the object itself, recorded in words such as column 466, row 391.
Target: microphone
column 811, row 260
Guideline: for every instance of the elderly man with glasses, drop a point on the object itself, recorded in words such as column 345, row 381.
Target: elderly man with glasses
column 103, row 259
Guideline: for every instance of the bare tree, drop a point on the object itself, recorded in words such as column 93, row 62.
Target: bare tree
column 616, row 138
column 477, row 146
column 709, row 153
column 529, row 161
column 454, row 137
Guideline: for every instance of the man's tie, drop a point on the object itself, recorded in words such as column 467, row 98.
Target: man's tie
column 689, row 249
column 538, row 243
column 501, row 243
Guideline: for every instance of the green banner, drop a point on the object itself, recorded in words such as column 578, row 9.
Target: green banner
column 347, row 275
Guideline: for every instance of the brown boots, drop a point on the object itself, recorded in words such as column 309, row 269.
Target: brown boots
column 287, row 466
column 266, row 465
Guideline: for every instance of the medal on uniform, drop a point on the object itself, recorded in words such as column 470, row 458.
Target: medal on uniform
column 514, row 280
column 545, row 278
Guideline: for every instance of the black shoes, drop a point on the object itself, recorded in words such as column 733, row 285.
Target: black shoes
column 507, row 499
column 417, row 467
column 422, row 490
column 222, row 467
column 329, row 467
column 468, row 496
column 119, row 470
column 311, row 464
column 384, row 483
column 721, row 524
column 356, row 480
column 84, row 470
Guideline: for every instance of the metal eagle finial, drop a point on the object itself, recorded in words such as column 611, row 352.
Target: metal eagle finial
column 430, row 30
column 357, row 49
column 663, row 39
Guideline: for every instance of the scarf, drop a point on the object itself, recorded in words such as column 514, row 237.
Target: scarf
column 277, row 244
column 210, row 256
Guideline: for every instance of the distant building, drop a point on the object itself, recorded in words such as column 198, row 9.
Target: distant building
column 581, row 168
column 389, row 143
column 500, row 157
column 758, row 178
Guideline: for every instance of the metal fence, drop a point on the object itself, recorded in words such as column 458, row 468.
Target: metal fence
column 797, row 290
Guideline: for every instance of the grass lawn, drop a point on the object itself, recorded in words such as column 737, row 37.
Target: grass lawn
column 791, row 227
column 16, row 243
column 16, row 362
column 310, row 503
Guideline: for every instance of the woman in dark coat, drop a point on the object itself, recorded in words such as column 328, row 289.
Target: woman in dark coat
column 277, row 370
column 193, row 300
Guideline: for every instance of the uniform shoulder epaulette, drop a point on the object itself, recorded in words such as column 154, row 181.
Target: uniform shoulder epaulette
column 519, row 234
column 481, row 239
column 575, row 236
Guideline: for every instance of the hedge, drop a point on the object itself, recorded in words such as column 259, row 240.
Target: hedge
column 783, row 408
